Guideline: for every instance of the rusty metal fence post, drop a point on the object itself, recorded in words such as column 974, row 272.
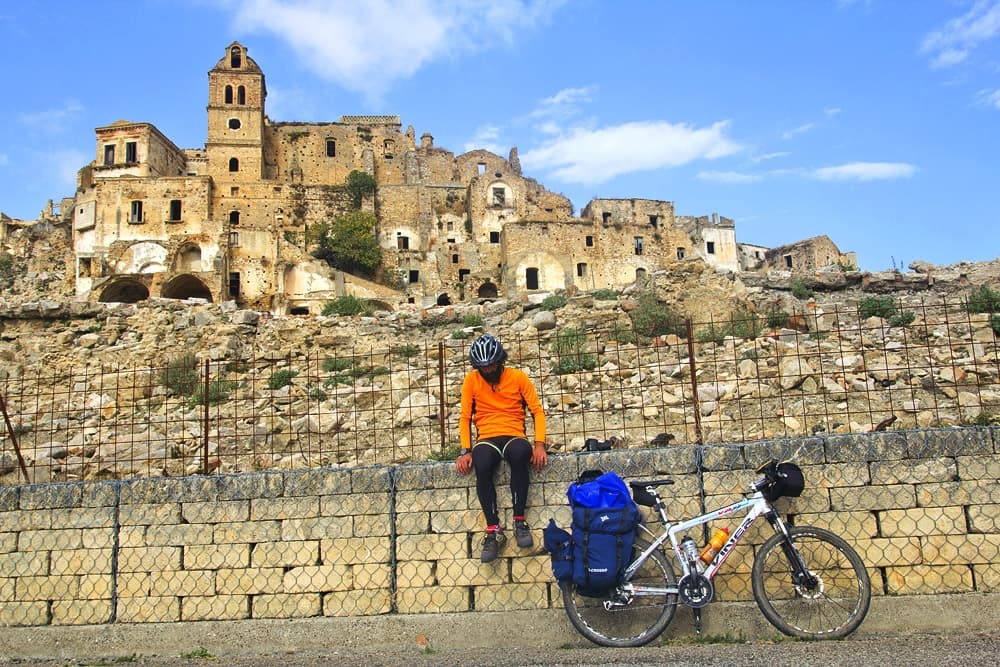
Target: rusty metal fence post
column 699, row 439
column 13, row 439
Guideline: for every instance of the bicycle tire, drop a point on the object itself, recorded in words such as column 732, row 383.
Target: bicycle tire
column 834, row 608
column 640, row 621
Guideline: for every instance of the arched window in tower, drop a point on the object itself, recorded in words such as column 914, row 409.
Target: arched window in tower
column 234, row 164
column 241, row 95
column 235, row 57
column 229, row 94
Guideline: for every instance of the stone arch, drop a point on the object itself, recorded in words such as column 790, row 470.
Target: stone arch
column 186, row 287
column 126, row 290
column 188, row 258
column 443, row 299
column 487, row 291
column 142, row 257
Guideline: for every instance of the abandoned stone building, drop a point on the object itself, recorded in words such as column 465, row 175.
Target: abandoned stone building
column 229, row 220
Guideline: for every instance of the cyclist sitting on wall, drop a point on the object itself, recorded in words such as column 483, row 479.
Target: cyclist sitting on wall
column 494, row 398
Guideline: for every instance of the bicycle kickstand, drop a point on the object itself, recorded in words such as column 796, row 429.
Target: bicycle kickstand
column 696, row 612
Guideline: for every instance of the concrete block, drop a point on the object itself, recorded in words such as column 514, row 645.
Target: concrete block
column 287, row 605
column 285, row 554
column 249, row 581
column 216, row 511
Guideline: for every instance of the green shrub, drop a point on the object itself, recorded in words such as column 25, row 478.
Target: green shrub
column 180, row 377
column 983, row 300
column 218, row 392
column 995, row 323
column 711, row 334
column 621, row 333
column 776, row 318
column 334, row 364
column 347, row 305
column 605, row 294
column 449, row 453
column 281, row 378
column 317, row 394
column 554, row 302
column 652, row 318
column 459, row 334
column 742, row 324
column 570, row 351
column 472, row 320
column 406, row 351
column 877, row 306
column 902, row 319
column 801, row 289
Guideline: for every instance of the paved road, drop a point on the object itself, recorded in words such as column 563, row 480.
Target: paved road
column 959, row 649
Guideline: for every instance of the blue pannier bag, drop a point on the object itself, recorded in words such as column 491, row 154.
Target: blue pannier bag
column 605, row 519
column 559, row 543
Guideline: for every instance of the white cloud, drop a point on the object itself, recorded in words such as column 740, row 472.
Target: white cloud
column 729, row 177
column 366, row 46
column 955, row 41
column 865, row 171
column 486, row 139
column 50, row 119
column 590, row 156
column 770, row 156
column 788, row 134
column 990, row 98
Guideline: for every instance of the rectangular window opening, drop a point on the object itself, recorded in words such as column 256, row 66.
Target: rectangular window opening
column 109, row 155
column 581, row 270
column 234, row 284
column 135, row 212
column 499, row 197
column 331, row 148
column 710, row 247
column 494, row 237
column 590, row 241
column 414, row 276
column 402, row 242
column 788, row 261
column 175, row 209
column 131, row 152
column 680, row 253
column 638, row 245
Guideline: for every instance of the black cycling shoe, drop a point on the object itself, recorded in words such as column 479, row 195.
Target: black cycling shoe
column 492, row 546
column 522, row 534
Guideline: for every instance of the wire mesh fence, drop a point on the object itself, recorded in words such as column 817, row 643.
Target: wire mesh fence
column 752, row 377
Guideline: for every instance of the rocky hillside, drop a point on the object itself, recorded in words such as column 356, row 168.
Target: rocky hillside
column 814, row 364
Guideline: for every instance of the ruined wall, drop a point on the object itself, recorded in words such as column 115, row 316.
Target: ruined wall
column 919, row 507
column 804, row 256
column 586, row 253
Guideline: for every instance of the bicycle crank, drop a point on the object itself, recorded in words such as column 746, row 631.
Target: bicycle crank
column 695, row 590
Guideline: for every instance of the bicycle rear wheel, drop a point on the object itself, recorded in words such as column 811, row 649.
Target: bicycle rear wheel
column 634, row 622
column 831, row 604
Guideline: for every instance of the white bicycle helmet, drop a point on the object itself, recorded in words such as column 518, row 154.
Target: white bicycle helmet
column 486, row 351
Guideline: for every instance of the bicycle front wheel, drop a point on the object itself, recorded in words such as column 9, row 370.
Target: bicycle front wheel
column 626, row 620
column 831, row 602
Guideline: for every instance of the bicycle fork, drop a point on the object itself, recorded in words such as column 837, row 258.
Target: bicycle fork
column 802, row 578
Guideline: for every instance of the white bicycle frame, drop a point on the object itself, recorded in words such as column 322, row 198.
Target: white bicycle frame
column 755, row 506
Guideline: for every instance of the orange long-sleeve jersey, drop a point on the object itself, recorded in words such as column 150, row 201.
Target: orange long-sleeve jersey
column 499, row 409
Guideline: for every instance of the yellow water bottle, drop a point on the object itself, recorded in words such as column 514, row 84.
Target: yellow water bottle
column 714, row 544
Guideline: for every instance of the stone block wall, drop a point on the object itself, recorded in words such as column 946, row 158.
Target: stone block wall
column 921, row 507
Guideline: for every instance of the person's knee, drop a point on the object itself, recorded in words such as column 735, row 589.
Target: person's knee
column 519, row 452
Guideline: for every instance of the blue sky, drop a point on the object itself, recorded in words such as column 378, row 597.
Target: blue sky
column 875, row 122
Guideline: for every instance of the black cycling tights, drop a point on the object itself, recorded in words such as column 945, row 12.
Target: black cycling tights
column 486, row 459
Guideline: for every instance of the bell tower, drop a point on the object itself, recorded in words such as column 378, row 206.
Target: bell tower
column 236, row 93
